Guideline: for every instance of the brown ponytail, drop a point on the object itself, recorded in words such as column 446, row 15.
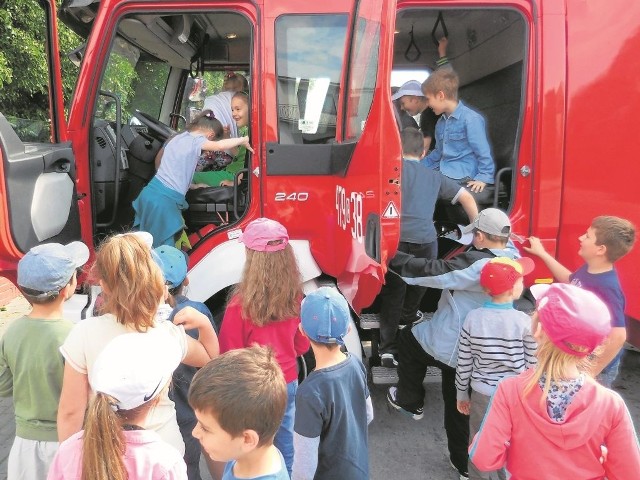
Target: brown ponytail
column 103, row 442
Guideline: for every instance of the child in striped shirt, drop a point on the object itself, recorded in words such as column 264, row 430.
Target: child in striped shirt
column 495, row 343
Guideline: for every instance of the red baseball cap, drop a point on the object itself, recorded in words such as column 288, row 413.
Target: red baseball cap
column 574, row 319
column 265, row 235
column 500, row 273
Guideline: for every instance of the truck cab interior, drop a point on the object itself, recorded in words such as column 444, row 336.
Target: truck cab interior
column 162, row 66
column 487, row 49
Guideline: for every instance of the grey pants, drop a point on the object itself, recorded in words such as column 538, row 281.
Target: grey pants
column 479, row 405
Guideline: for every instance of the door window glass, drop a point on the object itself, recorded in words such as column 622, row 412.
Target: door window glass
column 310, row 52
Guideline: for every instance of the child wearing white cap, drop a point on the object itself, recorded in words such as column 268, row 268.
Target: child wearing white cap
column 555, row 422
column 128, row 377
column 30, row 365
column 134, row 290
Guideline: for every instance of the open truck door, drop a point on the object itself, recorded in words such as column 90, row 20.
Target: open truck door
column 333, row 166
column 37, row 169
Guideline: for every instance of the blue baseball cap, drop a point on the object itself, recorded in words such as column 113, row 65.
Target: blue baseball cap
column 47, row 268
column 173, row 264
column 325, row 316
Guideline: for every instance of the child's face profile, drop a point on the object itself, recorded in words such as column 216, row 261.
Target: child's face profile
column 410, row 104
column 215, row 441
column 436, row 102
column 588, row 247
column 240, row 111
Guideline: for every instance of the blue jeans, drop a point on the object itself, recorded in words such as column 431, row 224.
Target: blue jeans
column 284, row 435
column 610, row 372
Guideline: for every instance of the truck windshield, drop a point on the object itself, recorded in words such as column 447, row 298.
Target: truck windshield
column 139, row 81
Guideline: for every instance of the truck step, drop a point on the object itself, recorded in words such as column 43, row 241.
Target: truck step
column 389, row 376
column 370, row 321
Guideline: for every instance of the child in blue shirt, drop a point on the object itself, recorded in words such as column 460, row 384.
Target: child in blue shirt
column 462, row 150
column 606, row 241
column 239, row 400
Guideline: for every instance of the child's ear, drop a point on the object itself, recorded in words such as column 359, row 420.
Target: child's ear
column 601, row 250
column 185, row 282
column 250, row 440
column 301, row 330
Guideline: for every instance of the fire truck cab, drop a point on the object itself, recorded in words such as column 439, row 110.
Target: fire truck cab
column 554, row 79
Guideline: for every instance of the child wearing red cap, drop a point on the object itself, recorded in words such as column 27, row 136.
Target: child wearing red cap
column 495, row 343
column 265, row 309
column 555, row 422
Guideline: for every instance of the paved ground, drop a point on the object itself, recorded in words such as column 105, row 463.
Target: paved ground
column 399, row 447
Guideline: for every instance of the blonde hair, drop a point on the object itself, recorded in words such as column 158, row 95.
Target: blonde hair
column 271, row 286
column 443, row 80
column 553, row 364
column 134, row 282
column 103, row 442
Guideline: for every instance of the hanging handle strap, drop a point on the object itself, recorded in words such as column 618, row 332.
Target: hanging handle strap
column 412, row 44
column 445, row 32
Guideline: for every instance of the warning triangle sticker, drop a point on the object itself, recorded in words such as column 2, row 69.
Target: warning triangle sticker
column 391, row 211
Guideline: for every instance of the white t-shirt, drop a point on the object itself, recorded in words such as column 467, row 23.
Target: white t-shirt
column 87, row 339
column 179, row 161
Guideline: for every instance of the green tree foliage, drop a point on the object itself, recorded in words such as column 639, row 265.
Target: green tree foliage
column 24, row 76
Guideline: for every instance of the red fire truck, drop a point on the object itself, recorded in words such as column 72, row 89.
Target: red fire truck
column 557, row 81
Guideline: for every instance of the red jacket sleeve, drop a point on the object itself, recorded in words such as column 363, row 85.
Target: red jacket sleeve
column 301, row 343
column 232, row 331
column 488, row 450
column 623, row 456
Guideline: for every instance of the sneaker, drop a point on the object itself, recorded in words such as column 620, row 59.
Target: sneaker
column 463, row 474
column 388, row 360
column 416, row 414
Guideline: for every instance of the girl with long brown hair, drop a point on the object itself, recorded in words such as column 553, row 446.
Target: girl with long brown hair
column 265, row 309
column 129, row 375
column 134, row 302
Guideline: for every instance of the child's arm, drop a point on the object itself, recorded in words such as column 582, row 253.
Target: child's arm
column 477, row 138
column 559, row 271
column 305, row 457
column 200, row 351
column 227, row 144
column 232, row 331
column 464, row 368
column 369, row 405
column 612, row 345
column 73, row 402
column 6, row 377
column 623, row 452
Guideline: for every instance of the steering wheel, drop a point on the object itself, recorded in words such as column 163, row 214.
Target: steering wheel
column 156, row 127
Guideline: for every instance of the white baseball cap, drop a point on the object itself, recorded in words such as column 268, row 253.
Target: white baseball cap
column 134, row 368
column 412, row 87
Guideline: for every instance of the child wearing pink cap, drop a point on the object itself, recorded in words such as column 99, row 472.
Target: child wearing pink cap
column 265, row 309
column 556, row 422
column 495, row 343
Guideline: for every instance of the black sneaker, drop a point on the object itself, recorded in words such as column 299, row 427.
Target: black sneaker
column 416, row 414
column 388, row 360
column 464, row 475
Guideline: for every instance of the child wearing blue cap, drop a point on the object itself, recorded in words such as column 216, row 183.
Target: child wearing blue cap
column 333, row 405
column 173, row 264
column 31, row 368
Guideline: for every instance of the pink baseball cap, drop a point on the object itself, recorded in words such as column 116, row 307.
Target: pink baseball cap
column 574, row 319
column 265, row 235
column 501, row 273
